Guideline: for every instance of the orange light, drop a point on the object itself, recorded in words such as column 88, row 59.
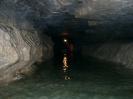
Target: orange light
column 65, row 67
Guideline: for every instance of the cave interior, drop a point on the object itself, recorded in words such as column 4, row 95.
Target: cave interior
column 66, row 49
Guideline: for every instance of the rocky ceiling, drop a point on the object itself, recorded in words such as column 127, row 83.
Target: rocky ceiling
column 89, row 19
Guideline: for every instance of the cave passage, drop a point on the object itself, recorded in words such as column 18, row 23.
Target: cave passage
column 68, row 76
column 89, row 79
column 78, row 70
column 66, row 49
column 64, row 54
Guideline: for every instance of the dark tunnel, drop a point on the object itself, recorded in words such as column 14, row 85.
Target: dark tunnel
column 66, row 49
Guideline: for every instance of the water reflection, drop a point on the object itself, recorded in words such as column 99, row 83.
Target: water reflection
column 66, row 68
column 67, row 57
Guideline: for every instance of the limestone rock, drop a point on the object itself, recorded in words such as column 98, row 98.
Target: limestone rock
column 19, row 50
column 116, row 52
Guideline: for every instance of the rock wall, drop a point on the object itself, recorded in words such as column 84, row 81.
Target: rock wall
column 21, row 45
column 19, row 50
column 117, row 52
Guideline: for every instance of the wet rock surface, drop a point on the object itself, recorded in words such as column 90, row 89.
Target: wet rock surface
column 23, row 22
column 19, row 50
column 117, row 52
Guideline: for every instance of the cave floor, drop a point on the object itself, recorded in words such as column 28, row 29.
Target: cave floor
column 99, row 80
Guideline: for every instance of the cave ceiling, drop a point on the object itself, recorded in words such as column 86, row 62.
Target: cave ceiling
column 87, row 19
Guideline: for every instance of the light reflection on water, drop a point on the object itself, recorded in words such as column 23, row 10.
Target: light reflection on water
column 66, row 57
column 66, row 68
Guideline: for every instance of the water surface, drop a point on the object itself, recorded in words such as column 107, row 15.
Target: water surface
column 89, row 79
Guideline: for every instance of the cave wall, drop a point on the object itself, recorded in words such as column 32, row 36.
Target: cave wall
column 21, row 45
column 19, row 50
column 116, row 52
column 23, row 22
